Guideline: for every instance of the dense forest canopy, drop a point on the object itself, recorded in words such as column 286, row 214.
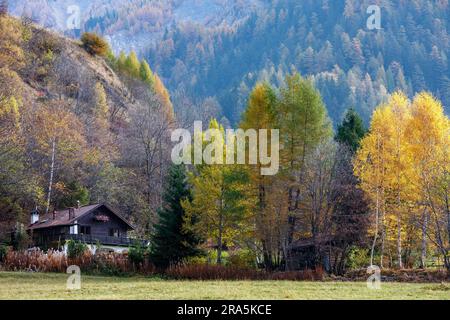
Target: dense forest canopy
column 327, row 40
column 211, row 53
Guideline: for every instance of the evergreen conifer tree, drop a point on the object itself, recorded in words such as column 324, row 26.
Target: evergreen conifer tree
column 170, row 242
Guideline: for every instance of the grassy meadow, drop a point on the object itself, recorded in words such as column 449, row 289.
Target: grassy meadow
column 30, row 286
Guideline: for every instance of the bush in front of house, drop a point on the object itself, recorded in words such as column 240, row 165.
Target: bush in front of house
column 75, row 249
column 94, row 44
column 20, row 239
column 107, row 263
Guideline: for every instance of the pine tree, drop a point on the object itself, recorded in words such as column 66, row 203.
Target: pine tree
column 170, row 242
column 351, row 131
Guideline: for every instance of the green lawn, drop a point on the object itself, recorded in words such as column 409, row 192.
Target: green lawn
column 53, row 286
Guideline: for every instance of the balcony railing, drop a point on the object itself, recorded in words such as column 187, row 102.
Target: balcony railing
column 93, row 239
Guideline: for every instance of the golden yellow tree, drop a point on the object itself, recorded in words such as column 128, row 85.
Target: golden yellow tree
column 428, row 137
column 403, row 166
column 369, row 167
column 222, row 200
column 261, row 114
column 58, row 136
column 381, row 165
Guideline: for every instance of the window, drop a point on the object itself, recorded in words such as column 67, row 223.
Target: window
column 73, row 229
column 85, row 230
column 114, row 233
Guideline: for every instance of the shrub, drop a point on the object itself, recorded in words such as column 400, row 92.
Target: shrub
column 94, row 44
column 20, row 239
column 212, row 272
column 116, row 264
column 75, row 249
column 358, row 258
column 205, row 272
column 242, row 259
column 3, row 252
column 137, row 254
column 36, row 260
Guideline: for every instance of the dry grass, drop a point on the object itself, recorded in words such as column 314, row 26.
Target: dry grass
column 216, row 272
column 56, row 261
column 53, row 286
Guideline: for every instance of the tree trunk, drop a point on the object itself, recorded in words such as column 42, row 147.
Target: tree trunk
column 399, row 241
column 383, row 240
column 375, row 238
column 423, row 257
column 52, row 169
column 219, row 240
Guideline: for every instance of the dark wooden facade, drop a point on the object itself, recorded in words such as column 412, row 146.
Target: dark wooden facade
column 92, row 224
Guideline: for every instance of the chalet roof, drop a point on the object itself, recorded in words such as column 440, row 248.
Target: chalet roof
column 62, row 217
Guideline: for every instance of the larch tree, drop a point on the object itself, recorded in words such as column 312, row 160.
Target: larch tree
column 132, row 65
column 304, row 123
column 146, row 74
column 222, row 201
column 260, row 114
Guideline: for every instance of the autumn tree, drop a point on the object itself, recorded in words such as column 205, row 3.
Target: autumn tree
column 222, row 201
column 398, row 164
column 132, row 65
column 303, row 122
column 261, row 114
column 428, row 136
column 58, row 140
column 146, row 74
column 370, row 168
column 94, row 44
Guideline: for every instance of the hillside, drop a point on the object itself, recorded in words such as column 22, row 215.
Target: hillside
column 71, row 120
column 328, row 40
column 137, row 23
column 210, row 53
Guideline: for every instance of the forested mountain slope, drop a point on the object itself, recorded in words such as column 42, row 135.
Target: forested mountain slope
column 133, row 24
column 328, row 40
column 74, row 127
column 210, row 53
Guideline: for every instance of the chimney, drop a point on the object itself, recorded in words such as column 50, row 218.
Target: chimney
column 54, row 214
column 78, row 204
column 34, row 216
column 71, row 213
